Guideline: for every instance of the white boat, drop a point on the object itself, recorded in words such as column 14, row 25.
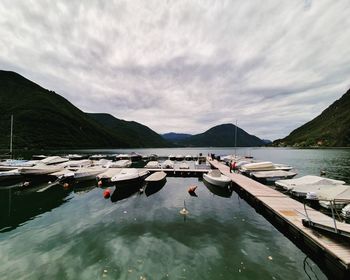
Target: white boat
column 172, row 157
column 153, row 165
column 179, row 157
column 188, row 157
column 12, row 164
column 290, row 184
column 76, row 164
column 184, row 165
column 339, row 195
column 215, row 178
column 272, row 176
column 54, row 160
column 168, row 164
column 129, row 175
column 108, row 174
column 305, row 190
column 97, row 157
column 40, row 169
column 263, row 166
column 123, row 163
column 156, row 177
column 86, row 174
column 73, row 157
column 9, row 175
column 345, row 212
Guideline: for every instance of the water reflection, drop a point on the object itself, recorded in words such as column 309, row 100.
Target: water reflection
column 219, row 191
column 123, row 191
column 18, row 206
column 154, row 187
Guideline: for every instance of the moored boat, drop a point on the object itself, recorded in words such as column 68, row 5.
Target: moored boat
column 153, row 165
column 168, row 164
column 184, row 165
column 215, row 178
column 123, row 163
column 156, row 177
column 129, row 175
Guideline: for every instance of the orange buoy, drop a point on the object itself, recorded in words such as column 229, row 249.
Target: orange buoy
column 106, row 193
column 99, row 183
column 192, row 190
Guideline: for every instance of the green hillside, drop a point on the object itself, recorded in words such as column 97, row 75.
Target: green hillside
column 330, row 129
column 136, row 133
column 223, row 136
column 44, row 119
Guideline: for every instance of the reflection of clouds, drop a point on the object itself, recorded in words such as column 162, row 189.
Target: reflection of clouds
column 157, row 62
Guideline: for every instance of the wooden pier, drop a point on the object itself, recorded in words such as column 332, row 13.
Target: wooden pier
column 286, row 214
column 176, row 172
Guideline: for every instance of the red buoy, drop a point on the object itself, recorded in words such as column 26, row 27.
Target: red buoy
column 106, row 193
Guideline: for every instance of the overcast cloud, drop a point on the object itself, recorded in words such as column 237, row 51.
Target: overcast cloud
column 185, row 66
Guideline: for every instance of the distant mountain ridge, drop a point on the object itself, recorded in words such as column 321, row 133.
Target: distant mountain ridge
column 44, row 120
column 222, row 136
column 133, row 132
column 175, row 137
column 330, row 129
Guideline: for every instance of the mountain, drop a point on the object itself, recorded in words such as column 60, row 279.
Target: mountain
column 175, row 137
column 135, row 133
column 44, row 119
column 222, row 136
column 330, row 129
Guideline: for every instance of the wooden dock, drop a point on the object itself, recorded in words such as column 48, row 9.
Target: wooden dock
column 176, row 172
column 331, row 253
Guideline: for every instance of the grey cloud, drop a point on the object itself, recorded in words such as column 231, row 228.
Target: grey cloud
column 185, row 66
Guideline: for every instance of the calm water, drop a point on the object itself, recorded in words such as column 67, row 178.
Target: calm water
column 77, row 234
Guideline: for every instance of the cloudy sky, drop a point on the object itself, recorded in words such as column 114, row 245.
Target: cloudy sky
column 185, row 66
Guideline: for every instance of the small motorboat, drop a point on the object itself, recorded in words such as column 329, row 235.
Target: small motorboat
column 155, row 182
column 128, row 175
column 106, row 176
column 153, row 165
column 180, row 157
column 345, row 212
column 272, row 176
column 39, row 169
column 123, row 163
column 172, row 157
column 86, row 174
column 168, row 164
column 188, row 157
column 290, row 184
column 215, row 178
column 156, row 177
column 54, row 160
column 184, row 165
column 263, row 166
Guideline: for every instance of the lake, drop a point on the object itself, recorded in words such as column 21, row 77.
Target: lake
column 77, row 234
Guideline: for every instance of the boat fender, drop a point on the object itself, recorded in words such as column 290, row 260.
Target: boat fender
column 99, row 183
column 107, row 193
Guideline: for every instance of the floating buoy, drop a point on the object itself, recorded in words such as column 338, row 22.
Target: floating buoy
column 99, row 183
column 192, row 190
column 106, row 193
column 184, row 211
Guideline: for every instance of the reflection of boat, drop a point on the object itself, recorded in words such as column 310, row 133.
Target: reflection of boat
column 219, row 191
column 122, row 192
column 215, row 177
column 129, row 175
column 17, row 207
